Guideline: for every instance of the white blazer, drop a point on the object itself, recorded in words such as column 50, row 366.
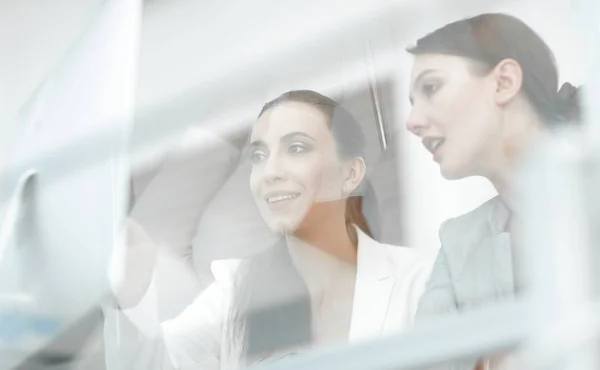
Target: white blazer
column 389, row 284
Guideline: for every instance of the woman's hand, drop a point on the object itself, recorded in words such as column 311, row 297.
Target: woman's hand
column 132, row 266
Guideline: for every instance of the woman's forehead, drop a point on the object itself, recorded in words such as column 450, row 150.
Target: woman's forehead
column 290, row 117
column 436, row 62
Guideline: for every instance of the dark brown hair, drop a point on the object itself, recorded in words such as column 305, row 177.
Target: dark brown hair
column 491, row 38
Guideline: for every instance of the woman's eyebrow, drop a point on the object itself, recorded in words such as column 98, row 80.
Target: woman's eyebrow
column 294, row 135
column 257, row 143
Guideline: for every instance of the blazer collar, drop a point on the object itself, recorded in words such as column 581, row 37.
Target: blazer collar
column 373, row 289
column 373, row 261
column 500, row 246
column 373, row 286
column 499, row 216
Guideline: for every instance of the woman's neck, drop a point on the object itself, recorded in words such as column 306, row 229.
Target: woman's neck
column 522, row 130
column 504, row 187
column 331, row 236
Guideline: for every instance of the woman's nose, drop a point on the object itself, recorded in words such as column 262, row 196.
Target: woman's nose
column 274, row 169
column 416, row 122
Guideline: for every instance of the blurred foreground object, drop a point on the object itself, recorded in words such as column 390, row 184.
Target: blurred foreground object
column 53, row 274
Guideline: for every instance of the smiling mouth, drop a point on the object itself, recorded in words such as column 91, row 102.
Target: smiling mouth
column 281, row 198
column 432, row 145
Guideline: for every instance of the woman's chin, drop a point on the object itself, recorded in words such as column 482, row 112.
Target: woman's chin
column 282, row 226
column 450, row 172
column 449, row 175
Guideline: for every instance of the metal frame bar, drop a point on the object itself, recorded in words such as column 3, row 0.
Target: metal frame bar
column 380, row 125
column 482, row 331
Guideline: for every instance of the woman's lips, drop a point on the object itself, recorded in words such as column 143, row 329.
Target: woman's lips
column 433, row 145
column 280, row 200
column 437, row 155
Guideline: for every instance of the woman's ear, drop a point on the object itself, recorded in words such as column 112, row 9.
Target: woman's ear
column 355, row 173
column 508, row 77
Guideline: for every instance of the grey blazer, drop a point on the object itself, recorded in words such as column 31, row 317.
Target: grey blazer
column 473, row 267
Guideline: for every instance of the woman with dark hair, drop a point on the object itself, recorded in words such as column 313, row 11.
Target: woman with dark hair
column 326, row 281
column 483, row 91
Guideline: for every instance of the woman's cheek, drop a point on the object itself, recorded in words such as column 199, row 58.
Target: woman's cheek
column 253, row 184
column 330, row 184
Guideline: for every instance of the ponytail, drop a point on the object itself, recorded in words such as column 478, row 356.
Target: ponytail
column 355, row 215
column 568, row 105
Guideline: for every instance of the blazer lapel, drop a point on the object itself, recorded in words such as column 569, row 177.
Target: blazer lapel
column 484, row 273
column 488, row 275
column 502, row 267
column 373, row 288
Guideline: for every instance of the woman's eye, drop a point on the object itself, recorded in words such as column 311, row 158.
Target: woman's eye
column 430, row 88
column 297, row 148
column 257, row 156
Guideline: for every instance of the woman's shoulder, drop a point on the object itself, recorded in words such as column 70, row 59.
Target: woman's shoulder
column 409, row 265
column 411, row 253
column 225, row 270
column 407, row 261
column 479, row 213
column 410, row 257
column 397, row 253
column 474, row 221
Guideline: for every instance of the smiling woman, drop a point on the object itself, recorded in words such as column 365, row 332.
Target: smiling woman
column 307, row 154
column 296, row 139
column 326, row 280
